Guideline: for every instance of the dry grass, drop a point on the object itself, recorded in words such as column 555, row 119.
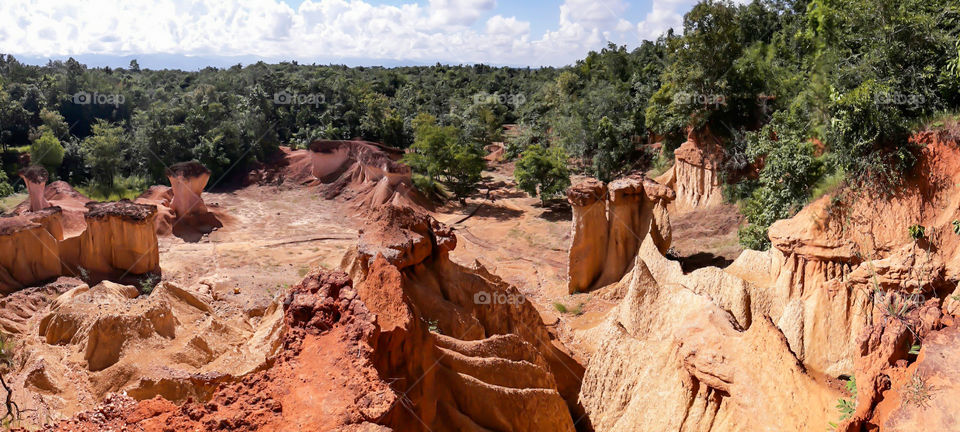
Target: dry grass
column 9, row 202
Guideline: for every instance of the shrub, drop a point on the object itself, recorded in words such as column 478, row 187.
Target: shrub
column 543, row 172
column 47, row 151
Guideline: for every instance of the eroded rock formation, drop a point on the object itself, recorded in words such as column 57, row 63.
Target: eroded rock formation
column 120, row 238
column 363, row 172
column 675, row 354
column 695, row 175
column 467, row 349
column 187, row 179
column 609, row 222
column 174, row 343
column 30, row 248
column 35, row 177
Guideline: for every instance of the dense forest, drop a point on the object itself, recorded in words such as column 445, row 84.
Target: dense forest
column 804, row 95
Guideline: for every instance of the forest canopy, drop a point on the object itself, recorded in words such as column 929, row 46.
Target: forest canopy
column 800, row 92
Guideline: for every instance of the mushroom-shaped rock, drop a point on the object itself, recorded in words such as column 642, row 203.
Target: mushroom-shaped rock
column 35, row 177
column 120, row 237
column 29, row 249
column 187, row 179
column 609, row 222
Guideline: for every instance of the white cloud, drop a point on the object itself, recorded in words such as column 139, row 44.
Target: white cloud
column 465, row 31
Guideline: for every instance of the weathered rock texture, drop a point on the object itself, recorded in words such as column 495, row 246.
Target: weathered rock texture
column 35, row 177
column 30, row 248
column 695, row 175
column 365, row 173
column 682, row 352
column 174, row 343
column 120, row 238
column 187, row 179
column 832, row 261
column 321, row 380
column 609, row 222
column 466, row 348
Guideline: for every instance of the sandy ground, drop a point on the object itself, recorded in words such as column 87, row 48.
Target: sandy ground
column 271, row 239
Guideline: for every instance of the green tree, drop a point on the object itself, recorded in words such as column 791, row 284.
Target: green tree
column 47, row 151
column 542, row 172
column 439, row 153
column 5, row 188
column 103, row 152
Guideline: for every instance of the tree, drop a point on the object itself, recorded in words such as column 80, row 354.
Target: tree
column 439, row 153
column 5, row 188
column 46, row 150
column 542, row 172
column 102, row 151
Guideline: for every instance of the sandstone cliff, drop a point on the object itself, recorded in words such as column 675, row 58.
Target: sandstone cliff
column 676, row 354
column 609, row 222
column 120, row 238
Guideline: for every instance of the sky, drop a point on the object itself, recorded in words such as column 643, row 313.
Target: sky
column 189, row 34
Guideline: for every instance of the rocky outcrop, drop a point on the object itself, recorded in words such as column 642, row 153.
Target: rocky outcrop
column 120, row 238
column 365, row 173
column 174, row 342
column 321, row 380
column 30, row 249
column 609, row 222
column 695, row 175
column 675, row 354
column 187, row 179
column 35, row 177
column 467, row 349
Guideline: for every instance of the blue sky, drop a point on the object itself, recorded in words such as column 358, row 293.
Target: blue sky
column 192, row 33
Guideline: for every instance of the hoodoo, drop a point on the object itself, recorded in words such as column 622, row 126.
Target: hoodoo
column 120, row 237
column 695, row 175
column 29, row 249
column 35, row 177
column 187, row 179
column 609, row 221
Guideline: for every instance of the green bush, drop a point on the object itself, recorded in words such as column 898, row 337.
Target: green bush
column 5, row 188
column 47, row 151
column 543, row 172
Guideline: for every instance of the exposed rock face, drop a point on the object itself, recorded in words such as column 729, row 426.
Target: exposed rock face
column 609, row 221
column 108, row 338
column 29, row 249
column 828, row 261
column 322, row 380
column 675, row 354
column 363, row 172
column 187, row 179
column 466, row 348
column 120, row 237
column 35, row 177
column 695, row 174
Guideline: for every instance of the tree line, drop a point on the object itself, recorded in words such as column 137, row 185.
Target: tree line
column 802, row 94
